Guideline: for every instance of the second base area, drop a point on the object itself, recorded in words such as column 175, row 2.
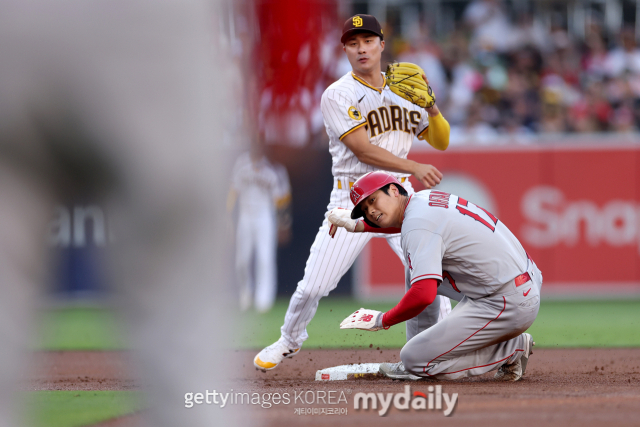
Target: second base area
column 349, row 372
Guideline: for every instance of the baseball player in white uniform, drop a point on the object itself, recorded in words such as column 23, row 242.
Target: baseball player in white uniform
column 369, row 128
column 263, row 195
column 451, row 247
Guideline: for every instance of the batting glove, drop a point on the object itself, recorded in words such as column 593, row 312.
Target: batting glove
column 367, row 320
column 340, row 217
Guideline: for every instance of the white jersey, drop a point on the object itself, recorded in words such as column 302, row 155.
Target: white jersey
column 391, row 122
column 446, row 237
column 261, row 186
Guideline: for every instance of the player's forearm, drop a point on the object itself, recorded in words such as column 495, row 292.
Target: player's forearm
column 421, row 294
column 363, row 227
column 438, row 131
column 340, row 217
column 383, row 159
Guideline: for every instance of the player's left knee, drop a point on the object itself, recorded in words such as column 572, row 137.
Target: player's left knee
column 410, row 359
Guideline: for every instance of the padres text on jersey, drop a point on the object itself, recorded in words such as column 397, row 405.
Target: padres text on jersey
column 391, row 122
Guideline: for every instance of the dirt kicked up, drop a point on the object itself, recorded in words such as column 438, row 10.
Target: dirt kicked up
column 564, row 387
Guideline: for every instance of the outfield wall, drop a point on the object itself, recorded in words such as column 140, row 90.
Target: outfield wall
column 574, row 205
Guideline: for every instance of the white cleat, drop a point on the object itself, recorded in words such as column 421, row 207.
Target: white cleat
column 515, row 371
column 396, row 371
column 271, row 356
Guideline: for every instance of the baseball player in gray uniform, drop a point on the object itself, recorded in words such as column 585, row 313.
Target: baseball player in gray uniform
column 451, row 247
column 369, row 128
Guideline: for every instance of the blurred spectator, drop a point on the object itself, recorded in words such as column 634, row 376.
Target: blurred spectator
column 492, row 30
column 591, row 113
column 475, row 130
column 553, row 119
column 622, row 119
column 593, row 62
column 465, row 79
column 514, row 130
column 625, row 57
column 420, row 54
column 263, row 195
column 531, row 31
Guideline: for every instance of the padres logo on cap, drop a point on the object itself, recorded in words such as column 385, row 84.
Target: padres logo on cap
column 354, row 113
column 357, row 21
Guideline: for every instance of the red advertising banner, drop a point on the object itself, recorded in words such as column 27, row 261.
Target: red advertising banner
column 574, row 207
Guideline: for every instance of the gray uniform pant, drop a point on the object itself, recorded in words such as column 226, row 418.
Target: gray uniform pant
column 479, row 335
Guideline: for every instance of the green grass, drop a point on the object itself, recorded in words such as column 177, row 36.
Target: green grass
column 324, row 330
column 80, row 408
column 79, row 329
column 590, row 323
column 611, row 323
column 585, row 323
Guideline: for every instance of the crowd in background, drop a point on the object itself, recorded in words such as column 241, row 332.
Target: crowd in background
column 493, row 76
column 499, row 77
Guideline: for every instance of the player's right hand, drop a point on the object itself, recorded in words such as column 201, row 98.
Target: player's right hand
column 341, row 217
column 428, row 175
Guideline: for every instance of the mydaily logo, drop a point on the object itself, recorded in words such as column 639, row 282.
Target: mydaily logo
column 403, row 401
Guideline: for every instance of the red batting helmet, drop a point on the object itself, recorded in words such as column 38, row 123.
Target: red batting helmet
column 366, row 185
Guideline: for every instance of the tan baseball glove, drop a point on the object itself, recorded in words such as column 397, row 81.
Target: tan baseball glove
column 405, row 80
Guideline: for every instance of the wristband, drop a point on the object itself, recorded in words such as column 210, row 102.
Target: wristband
column 380, row 323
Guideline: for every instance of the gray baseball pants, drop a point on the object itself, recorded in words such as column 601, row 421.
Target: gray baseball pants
column 479, row 335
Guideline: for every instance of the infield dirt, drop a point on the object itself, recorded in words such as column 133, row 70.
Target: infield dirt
column 564, row 387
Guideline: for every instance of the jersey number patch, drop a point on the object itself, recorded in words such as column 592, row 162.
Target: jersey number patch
column 466, row 208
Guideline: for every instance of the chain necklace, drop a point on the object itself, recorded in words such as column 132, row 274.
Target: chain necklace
column 380, row 88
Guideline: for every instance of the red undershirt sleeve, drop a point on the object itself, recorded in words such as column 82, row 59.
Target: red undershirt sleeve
column 421, row 294
column 390, row 230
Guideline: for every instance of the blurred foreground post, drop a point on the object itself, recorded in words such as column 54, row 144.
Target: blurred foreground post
column 117, row 100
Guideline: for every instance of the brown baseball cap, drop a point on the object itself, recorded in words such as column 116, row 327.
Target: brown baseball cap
column 361, row 24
